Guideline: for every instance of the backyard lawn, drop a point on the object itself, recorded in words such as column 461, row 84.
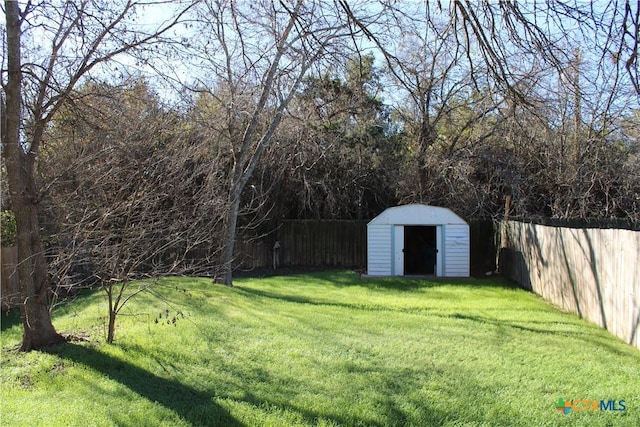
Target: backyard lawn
column 322, row 349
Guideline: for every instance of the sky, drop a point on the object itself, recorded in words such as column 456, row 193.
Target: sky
column 181, row 70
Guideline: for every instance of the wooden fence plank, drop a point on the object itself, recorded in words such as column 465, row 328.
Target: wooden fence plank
column 592, row 272
column 310, row 243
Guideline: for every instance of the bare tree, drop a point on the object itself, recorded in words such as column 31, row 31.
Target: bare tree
column 619, row 23
column 492, row 40
column 262, row 52
column 80, row 38
column 134, row 194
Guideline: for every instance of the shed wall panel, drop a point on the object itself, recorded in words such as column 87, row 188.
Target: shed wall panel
column 456, row 250
column 379, row 250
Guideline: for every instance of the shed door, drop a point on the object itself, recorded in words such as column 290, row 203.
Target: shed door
column 420, row 250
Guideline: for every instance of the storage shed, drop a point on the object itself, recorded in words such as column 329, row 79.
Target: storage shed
column 418, row 240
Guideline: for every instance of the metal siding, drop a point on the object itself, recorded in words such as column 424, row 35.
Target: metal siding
column 398, row 250
column 457, row 250
column 417, row 214
column 379, row 253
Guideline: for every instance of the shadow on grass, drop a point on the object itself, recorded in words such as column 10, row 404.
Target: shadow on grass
column 382, row 396
column 250, row 292
column 192, row 405
column 386, row 392
column 383, row 284
column 296, row 299
column 409, row 283
column 585, row 335
column 274, row 394
column 10, row 318
column 345, row 278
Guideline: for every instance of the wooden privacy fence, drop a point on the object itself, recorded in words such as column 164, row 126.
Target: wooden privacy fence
column 308, row 243
column 334, row 243
column 9, row 293
column 592, row 272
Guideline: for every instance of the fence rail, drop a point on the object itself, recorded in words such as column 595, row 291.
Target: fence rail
column 592, row 272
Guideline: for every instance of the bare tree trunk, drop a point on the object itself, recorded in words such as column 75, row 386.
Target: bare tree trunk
column 230, row 233
column 111, row 333
column 32, row 268
column 32, row 275
column 254, row 142
column 423, row 178
column 579, row 197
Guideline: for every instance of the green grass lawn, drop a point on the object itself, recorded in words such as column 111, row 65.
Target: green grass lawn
column 321, row 349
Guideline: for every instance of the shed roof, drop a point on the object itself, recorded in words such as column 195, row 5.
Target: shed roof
column 417, row 214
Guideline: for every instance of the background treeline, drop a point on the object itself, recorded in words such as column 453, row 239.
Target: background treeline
column 135, row 186
column 342, row 152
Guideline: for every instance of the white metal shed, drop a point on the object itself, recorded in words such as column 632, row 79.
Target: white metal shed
column 418, row 240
